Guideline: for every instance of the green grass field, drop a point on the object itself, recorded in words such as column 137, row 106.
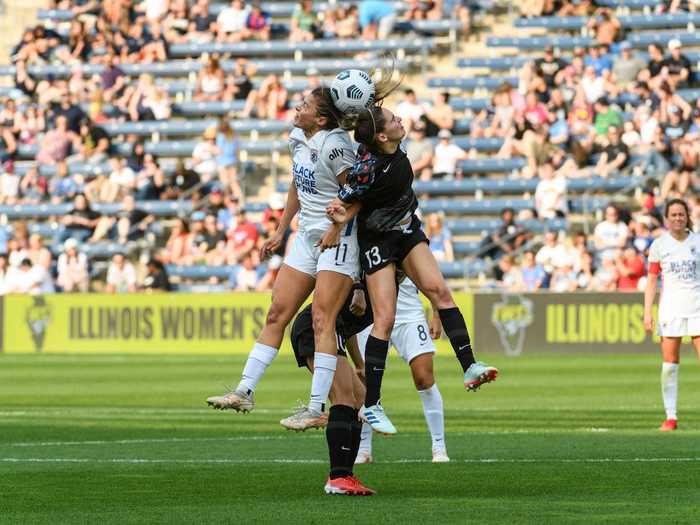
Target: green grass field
column 129, row 439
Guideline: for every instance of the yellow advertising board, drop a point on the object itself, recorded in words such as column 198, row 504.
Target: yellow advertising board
column 143, row 323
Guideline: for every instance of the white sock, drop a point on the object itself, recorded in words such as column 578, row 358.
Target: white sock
column 669, row 388
column 324, row 370
column 434, row 415
column 259, row 359
column 366, row 438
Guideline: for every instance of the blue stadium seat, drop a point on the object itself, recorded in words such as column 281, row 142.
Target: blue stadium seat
column 536, row 42
column 465, row 248
column 470, row 83
column 474, row 207
column 200, row 271
column 478, row 226
column 175, row 68
column 324, row 47
column 478, row 143
column 650, row 21
column 193, row 127
column 631, row 4
column 469, row 186
column 469, row 104
column 642, row 40
column 495, row 63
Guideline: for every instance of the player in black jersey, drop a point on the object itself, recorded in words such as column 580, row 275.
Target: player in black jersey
column 343, row 430
column 379, row 191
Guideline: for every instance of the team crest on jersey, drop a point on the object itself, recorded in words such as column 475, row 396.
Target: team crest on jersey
column 314, row 155
column 693, row 250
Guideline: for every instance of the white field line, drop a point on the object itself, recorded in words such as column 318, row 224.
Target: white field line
column 271, row 437
column 138, row 461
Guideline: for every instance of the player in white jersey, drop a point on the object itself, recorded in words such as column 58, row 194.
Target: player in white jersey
column 676, row 256
column 412, row 336
column 322, row 155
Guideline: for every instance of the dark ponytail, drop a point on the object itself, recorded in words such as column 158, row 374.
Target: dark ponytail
column 326, row 108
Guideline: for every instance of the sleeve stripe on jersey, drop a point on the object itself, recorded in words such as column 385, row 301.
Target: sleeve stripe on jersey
column 654, row 267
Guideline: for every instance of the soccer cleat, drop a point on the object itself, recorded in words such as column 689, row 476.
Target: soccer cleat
column 440, row 456
column 375, row 417
column 304, row 418
column 347, row 486
column 364, row 457
column 669, row 425
column 233, row 400
column 478, row 374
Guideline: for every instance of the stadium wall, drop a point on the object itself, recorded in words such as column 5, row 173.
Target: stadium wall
column 229, row 323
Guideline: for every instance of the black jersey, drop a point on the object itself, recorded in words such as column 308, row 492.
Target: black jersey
column 383, row 184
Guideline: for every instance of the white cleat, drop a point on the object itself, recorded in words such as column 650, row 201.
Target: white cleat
column 364, row 457
column 234, row 400
column 375, row 417
column 440, row 456
column 304, row 418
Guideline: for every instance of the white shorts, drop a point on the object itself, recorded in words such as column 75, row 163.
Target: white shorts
column 409, row 339
column 679, row 327
column 306, row 257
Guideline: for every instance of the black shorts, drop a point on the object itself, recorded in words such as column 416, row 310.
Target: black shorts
column 378, row 249
column 302, row 336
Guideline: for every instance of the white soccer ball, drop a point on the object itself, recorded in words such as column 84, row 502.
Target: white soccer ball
column 352, row 90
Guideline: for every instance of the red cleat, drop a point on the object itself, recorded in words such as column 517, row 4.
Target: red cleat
column 347, row 486
column 669, row 425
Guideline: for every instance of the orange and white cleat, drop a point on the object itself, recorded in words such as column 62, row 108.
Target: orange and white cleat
column 479, row 374
column 347, row 486
column 669, row 425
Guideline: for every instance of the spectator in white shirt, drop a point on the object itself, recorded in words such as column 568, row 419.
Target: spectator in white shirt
column 28, row 279
column 610, row 235
column 550, row 195
column 247, row 277
column 232, row 22
column 9, row 183
column 72, row 268
column 4, row 272
column 409, row 109
column 447, row 156
column 121, row 275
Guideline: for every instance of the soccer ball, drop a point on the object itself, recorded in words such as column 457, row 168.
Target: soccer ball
column 352, row 90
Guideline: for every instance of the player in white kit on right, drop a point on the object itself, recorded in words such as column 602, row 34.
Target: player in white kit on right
column 412, row 336
column 676, row 256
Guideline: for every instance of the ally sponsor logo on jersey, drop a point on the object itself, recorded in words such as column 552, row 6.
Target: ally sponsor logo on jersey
column 304, row 178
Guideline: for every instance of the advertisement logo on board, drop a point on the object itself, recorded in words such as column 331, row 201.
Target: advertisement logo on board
column 511, row 317
column 38, row 317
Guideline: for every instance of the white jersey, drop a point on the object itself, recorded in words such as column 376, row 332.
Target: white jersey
column 316, row 164
column 409, row 308
column 679, row 263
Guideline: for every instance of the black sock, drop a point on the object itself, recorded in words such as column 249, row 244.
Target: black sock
column 356, row 427
column 375, row 359
column 339, row 437
column 456, row 330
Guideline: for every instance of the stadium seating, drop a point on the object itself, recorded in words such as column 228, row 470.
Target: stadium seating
column 651, row 21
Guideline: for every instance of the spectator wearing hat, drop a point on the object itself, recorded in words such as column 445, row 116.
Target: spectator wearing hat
column 550, row 66
column 205, row 154
column 677, row 68
column 121, row 275
column 72, row 268
column 506, row 239
column 627, row 66
column 447, row 156
column 9, row 183
column 420, row 152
